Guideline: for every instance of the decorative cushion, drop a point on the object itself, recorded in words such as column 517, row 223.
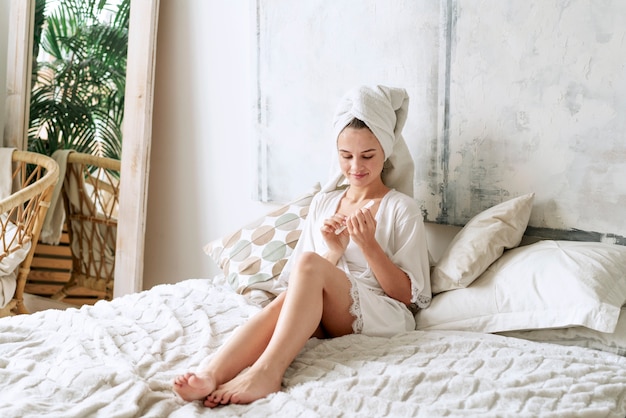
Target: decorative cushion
column 549, row 284
column 481, row 241
column 253, row 257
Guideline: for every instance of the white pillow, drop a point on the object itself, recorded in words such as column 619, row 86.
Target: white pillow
column 481, row 241
column 611, row 342
column 549, row 284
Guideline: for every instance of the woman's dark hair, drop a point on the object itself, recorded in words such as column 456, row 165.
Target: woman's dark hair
column 357, row 124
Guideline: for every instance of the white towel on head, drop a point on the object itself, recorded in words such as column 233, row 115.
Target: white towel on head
column 384, row 110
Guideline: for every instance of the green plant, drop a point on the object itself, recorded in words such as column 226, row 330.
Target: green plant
column 79, row 72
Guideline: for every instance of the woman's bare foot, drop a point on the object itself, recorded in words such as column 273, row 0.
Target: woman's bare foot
column 193, row 387
column 245, row 388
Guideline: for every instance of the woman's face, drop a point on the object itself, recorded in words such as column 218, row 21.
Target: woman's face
column 361, row 157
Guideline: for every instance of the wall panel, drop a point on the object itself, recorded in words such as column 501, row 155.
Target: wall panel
column 507, row 97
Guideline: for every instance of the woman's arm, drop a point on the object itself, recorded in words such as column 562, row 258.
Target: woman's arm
column 394, row 281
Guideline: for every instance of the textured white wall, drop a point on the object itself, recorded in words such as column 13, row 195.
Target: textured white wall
column 538, row 103
column 311, row 53
column 507, row 97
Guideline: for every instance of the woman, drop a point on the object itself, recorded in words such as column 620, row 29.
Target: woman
column 359, row 279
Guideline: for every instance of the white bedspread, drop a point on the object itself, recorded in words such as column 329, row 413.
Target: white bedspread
column 117, row 359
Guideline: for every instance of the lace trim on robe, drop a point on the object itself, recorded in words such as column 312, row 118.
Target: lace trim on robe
column 421, row 301
column 355, row 307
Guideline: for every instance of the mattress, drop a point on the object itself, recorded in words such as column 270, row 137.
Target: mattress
column 118, row 359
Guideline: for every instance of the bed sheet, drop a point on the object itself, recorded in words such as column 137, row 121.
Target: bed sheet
column 118, row 359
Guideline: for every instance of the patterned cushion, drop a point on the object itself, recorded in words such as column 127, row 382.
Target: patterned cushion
column 253, row 257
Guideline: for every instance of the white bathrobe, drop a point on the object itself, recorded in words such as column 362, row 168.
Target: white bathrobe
column 400, row 232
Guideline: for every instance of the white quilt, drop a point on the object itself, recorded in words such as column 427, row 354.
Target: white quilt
column 117, row 359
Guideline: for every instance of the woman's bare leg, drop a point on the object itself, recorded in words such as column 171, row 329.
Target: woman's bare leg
column 241, row 350
column 318, row 293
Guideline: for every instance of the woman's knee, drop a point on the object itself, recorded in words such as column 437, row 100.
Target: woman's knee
column 310, row 265
column 310, row 257
column 309, row 262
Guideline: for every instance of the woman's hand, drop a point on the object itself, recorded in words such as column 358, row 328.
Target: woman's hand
column 337, row 243
column 362, row 227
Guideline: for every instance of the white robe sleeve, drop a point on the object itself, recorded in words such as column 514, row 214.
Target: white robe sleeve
column 408, row 249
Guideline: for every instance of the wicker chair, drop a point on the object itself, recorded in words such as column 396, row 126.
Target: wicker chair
column 22, row 214
column 91, row 201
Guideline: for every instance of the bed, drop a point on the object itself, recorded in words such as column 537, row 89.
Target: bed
column 118, row 358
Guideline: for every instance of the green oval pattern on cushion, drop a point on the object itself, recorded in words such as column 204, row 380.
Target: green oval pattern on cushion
column 274, row 251
column 288, row 222
column 258, row 278
column 240, row 251
column 233, row 280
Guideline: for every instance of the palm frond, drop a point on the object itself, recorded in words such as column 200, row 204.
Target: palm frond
column 78, row 91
